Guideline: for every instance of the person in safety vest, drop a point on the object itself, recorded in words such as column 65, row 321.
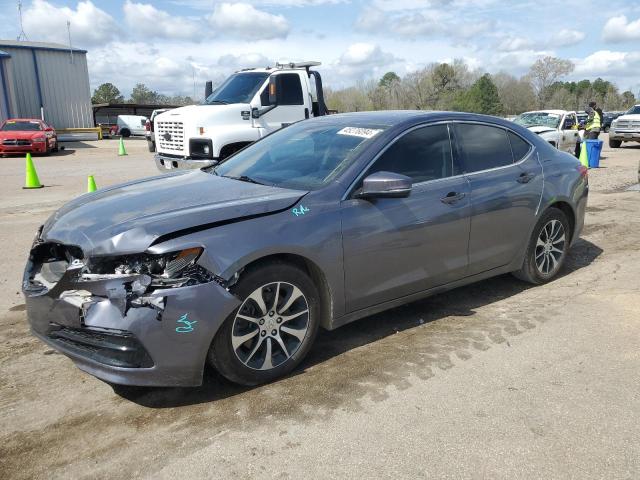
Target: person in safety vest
column 594, row 122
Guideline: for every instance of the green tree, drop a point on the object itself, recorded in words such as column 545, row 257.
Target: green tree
column 107, row 93
column 388, row 79
column 628, row 99
column 141, row 94
column 482, row 97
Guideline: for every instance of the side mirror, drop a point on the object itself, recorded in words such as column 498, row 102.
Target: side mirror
column 273, row 90
column 385, row 185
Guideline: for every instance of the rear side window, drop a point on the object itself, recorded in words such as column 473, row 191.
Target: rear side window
column 290, row 89
column 423, row 154
column 519, row 147
column 482, row 147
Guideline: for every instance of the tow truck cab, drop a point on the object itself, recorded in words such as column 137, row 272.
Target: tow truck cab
column 248, row 105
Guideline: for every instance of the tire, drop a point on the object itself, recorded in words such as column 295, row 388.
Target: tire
column 606, row 129
column 56, row 147
column 151, row 146
column 615, row 143
column 125, row 133
column 544, row 259
column 267, row 329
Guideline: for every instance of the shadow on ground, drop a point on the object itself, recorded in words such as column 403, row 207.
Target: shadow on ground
column 455, row 330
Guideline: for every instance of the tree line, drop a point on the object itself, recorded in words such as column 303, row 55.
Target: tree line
column 444, row 86
column 453, row 86
column 141, row 94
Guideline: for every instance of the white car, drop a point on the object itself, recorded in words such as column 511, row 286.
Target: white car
column 558, row 127
column 625, row 128
column 131, row 125
column 247, row 106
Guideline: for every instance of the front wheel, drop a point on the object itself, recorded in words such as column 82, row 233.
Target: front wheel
column 272, row 330
column 615, row 143
column 547, row 249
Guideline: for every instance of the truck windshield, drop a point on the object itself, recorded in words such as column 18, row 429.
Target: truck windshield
column 538, row 119
column 304, row 156
column 634, row 110
column 238, row 88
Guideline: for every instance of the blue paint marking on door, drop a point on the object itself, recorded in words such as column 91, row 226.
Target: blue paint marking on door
column 187, row 325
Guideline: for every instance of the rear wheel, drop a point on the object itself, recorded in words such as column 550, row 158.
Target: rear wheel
column 272, row 330
column 547, row 249
column 125, row 133
column 615, row 143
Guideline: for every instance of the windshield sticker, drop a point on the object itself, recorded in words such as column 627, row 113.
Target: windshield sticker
column 301, row 210
column 359, row 132
column 187, row 326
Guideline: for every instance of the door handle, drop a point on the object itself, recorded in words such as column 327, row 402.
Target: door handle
column 526, row 177
column 452, row 197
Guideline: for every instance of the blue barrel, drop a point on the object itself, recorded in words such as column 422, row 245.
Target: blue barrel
column 594, row 148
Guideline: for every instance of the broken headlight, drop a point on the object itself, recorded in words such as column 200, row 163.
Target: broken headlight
column 175, row 269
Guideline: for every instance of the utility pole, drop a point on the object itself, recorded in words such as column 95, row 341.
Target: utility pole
column 70, row 47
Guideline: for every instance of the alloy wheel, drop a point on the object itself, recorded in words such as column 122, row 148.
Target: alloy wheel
column 550, row 247
column 270, row 325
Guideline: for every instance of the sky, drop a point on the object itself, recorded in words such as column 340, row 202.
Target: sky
column 169, row 45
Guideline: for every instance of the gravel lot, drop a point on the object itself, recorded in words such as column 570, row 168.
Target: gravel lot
column 495, row 380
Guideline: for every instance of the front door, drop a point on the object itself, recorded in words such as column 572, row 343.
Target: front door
column 569, row 134
column 292, row 106
column 506, row 182
column 398, row 246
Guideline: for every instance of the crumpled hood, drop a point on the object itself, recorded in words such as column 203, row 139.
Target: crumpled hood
column 127, row 218
column 541, row 129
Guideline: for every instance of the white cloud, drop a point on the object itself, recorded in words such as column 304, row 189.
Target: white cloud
column 567, row 37
column 244, row 20
column 89, row 24
column 145, row 19
column 360, row 60
column 620, row 29
column 513, row 44
column 244, row 60
column 607, row 63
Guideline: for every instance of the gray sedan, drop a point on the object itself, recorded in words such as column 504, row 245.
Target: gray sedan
column 319, row 224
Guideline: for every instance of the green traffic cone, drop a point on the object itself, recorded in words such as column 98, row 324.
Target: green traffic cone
column 32, row 180
column 91, row 184
column 121, row 150
column 584, row 159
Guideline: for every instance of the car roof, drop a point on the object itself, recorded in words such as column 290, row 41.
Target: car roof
column 396, row 117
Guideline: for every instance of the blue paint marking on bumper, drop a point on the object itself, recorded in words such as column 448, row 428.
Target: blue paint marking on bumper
column 100, row 336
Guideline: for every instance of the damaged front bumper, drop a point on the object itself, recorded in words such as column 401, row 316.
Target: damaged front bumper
column 114, row 328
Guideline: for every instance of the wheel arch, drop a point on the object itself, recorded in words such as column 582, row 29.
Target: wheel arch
column 310, row 268
column 567, row 209
column 231, row 148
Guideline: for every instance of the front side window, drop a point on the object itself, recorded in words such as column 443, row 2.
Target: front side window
column 422, row 154
column 482, row 147
column 238, row 88
column 303, row 156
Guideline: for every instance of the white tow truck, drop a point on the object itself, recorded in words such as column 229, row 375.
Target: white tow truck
column 558, row 127
column 248, row 105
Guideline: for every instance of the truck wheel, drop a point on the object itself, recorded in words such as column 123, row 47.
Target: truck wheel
column 272, row 330
column 615, row 143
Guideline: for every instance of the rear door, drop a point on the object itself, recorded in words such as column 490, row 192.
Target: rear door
column 506, row 182
column 399, row 246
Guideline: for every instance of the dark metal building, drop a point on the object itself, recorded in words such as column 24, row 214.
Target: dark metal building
column 45, row 80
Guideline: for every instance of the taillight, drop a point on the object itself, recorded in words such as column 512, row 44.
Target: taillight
column 147, row 126
column 584, row 171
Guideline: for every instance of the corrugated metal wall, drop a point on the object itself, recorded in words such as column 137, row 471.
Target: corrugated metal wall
column 64, row 86
column 5, row 107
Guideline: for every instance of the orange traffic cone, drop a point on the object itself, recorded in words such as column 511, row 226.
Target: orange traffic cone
column 31, row 180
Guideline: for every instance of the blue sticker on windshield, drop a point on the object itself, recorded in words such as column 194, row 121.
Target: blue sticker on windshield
column 187, row 326
column 301, row 210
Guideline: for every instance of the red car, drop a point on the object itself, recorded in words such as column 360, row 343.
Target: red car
column 21, row 135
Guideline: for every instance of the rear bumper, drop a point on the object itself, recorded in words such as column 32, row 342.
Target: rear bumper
column 125, row 342
column 165, row 163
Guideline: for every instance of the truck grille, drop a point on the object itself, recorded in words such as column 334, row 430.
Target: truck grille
column 170, row 136
column 19, row 142
column 628, row 124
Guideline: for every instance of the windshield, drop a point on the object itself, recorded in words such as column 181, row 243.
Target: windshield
column 634, row 110
column 21, row 126
column 303, row 156
column 538, row 119
column 238, row 88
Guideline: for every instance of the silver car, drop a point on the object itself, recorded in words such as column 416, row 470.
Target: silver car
column 319, row 224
